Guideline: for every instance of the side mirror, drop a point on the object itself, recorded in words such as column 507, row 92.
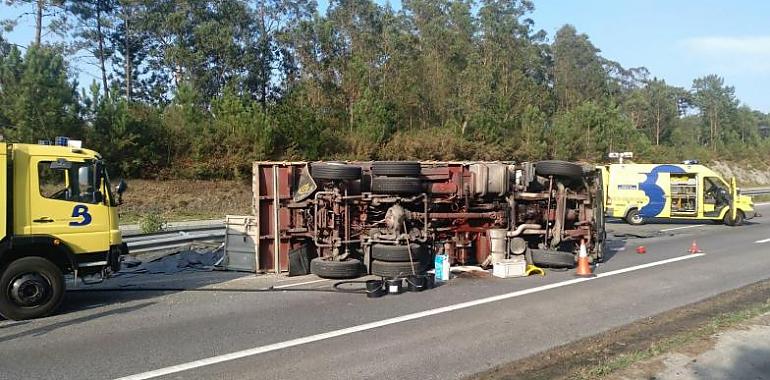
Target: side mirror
column 121, row 188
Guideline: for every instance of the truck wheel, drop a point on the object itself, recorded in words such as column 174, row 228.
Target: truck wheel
column 386, row 252
column 32, row 287
column 739, row 218
column 558, row 168
column 397, row 185
column 396, row 168
column 335, row 171
column 350, row 268
column 553, row 259
column 634, row 218
column 395, row 269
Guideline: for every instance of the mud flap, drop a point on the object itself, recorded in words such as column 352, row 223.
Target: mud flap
column 299, row 260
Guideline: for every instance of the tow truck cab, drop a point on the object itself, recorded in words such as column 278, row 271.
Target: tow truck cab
column 638, row 192
column 58, row 215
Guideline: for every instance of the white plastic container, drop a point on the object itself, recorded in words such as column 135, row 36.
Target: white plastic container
column 508, row 268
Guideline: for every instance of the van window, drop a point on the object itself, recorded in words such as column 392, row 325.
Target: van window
column 716, row 191
column 76, row 183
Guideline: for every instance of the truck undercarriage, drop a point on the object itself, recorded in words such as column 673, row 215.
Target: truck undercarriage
column 389, row 218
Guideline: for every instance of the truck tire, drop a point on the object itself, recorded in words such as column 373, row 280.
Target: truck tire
column 350, row 268
column 739, row 218
column 335, row 171
column 396, row 269
column 634, row 218
column 397, row 185
column 558, row 169
column 553, row 259
column 396, row 168
column 391, row 253
column 32, row 287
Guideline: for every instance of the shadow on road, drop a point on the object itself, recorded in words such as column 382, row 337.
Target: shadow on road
column 58, row 325
column 613, row 246
column 748, row 363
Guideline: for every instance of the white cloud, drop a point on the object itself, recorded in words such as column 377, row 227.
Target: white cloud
column 744, row 46
column 735, row 56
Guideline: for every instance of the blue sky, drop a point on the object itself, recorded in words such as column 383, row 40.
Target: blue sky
column 676, row 40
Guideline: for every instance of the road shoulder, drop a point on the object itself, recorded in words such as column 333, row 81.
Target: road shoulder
column 637, row 350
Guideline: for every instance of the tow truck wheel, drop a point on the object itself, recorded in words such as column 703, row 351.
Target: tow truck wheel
column 32, row 287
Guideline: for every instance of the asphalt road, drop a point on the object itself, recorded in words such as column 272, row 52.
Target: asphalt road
column 302, row 329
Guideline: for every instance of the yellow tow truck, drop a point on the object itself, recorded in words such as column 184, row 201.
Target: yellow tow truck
column 638, row 192
column 58, row 216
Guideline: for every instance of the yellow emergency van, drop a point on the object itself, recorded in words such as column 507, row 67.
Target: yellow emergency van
column 58, row 215
column 638, row 192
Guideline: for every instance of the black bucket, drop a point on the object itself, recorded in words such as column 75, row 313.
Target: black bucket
column 416, row 283
column 430, row 280
column 395, row 285
column 375, row 289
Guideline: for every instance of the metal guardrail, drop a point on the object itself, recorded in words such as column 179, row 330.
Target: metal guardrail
column 756, row 191
column 158, row 241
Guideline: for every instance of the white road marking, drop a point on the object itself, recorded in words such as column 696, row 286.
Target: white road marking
column 298, row 284
column 385, row 322
column 762, row 241
column 762, row 204
column 681, row 228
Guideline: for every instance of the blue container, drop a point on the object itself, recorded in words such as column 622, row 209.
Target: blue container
column 442, row 268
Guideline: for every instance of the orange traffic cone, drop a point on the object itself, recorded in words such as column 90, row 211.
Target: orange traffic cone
column 694, row 248
column 583, row 267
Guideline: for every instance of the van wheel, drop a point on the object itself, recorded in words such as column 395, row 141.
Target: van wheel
column 739, row 218
column 32, row 287
column 634, row 218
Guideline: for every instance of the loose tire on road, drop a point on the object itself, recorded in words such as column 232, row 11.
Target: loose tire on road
column 396, row 269
column 397, row 185
column 396, row 253
column 634, row 218
column 350, row 268
column 333, row 171
column 396, row 168
column 32, row 287
column 558, row 169
column 553, row 259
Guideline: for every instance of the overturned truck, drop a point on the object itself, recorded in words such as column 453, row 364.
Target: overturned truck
column 389, row 218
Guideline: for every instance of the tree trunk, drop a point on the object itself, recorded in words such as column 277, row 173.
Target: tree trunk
column 127, row 53
column 657, row 127
column 100, row 37
column 39, row 21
